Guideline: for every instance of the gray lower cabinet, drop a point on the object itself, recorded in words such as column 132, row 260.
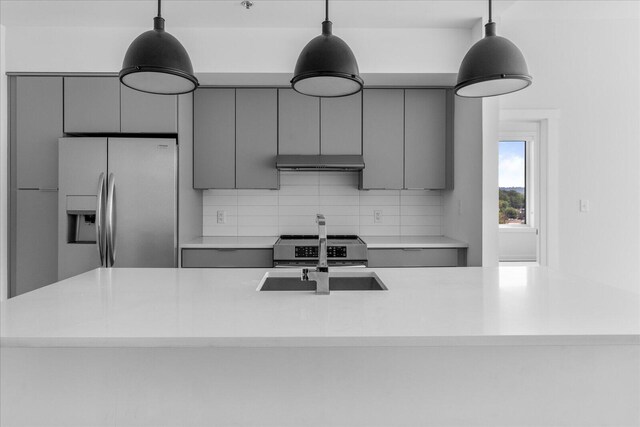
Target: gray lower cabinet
column 341, row 125
column 425, row 128
column 91, row 104
column 298, row 123
column 256, row 138
column 38, row 125
column 418, row 257
column 214, row 139
column 227, row 258
column 142, row 112
column 383, row 138
column 35, row 261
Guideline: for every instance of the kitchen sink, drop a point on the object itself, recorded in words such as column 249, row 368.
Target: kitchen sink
column 338, row 281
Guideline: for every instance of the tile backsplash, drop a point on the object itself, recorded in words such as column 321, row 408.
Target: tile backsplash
column 293, row 208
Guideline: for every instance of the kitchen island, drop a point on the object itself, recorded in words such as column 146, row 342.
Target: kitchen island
column 443, row 346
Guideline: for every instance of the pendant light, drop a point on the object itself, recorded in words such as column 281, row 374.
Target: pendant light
column 493, row 66
column 157, row 63
column 326, row 66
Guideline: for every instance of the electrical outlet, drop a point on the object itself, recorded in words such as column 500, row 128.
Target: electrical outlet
column 584, row 205
column 222, row 217
column 377, row 217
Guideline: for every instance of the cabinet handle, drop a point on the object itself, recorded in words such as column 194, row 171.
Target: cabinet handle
column 412, row 249
column 48, row 189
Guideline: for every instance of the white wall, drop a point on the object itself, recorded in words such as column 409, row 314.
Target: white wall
column 516, row 244
column 3, row 167
column 585, row 60
column 489, row 181
column 247, row 50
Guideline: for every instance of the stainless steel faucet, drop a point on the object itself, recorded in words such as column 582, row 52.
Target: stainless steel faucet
column 321, row 273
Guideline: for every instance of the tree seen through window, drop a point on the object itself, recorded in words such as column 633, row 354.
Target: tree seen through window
column 512, row 183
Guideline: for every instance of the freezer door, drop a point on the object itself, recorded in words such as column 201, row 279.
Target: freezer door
column 144, row 201
column 81, row 161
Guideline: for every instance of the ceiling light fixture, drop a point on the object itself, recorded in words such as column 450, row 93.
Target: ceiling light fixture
column 157, row 63
column 493, row 66
column 326, row 66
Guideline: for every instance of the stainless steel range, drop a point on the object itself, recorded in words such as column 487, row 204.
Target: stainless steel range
column 302, row 250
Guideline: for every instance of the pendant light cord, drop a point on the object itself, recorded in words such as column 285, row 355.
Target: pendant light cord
column 159, row 15
column 326, row 10
column 490, row 20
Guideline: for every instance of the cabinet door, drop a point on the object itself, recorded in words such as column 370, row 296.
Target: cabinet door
column 214, row 139
column 91, row 104
column 227, row 258
column 425, row 138
column 382, row 139
column 256, row 138
column 341, row 125
column 416, row 257
column 147, row 112
column 38, row 127
column 36, row 252
column 298, row 123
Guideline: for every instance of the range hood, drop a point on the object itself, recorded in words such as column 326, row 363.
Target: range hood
column 301, row 162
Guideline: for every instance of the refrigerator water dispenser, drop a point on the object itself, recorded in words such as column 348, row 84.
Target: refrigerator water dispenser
column 81, row 219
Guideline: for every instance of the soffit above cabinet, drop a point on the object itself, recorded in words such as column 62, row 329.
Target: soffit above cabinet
column 403, row 80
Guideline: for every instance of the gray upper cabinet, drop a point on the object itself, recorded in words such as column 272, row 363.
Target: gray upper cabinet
column 341, row 125
column 382, row 139
column 142, row 112
column 425, row 138
column 298, row 123
column 214, row 139
column 91, row 104
column 256, row 138
column 38, row 127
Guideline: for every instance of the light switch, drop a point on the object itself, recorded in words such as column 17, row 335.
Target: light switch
column 584, row 205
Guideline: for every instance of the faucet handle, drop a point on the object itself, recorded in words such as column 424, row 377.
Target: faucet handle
column 305, row 274
column 320, row 219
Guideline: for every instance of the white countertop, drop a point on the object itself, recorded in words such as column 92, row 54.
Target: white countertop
column 213, row 242
column 377, row 242
column 221, row 307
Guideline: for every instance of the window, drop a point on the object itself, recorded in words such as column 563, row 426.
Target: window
column 512, row 182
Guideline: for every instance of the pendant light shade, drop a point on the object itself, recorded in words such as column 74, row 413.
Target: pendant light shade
column 326, row 66
column 157, row 63
column 493, row 66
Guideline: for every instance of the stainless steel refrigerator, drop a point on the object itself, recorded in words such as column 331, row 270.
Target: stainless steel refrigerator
column 117, row 203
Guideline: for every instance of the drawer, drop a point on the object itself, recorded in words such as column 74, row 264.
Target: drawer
column 417, row 257
column 227, row 258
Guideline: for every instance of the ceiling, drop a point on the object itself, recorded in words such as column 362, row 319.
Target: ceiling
column 264, row 13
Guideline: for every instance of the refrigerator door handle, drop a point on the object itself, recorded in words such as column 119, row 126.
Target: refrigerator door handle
column 99, row 218
column 111, row 221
